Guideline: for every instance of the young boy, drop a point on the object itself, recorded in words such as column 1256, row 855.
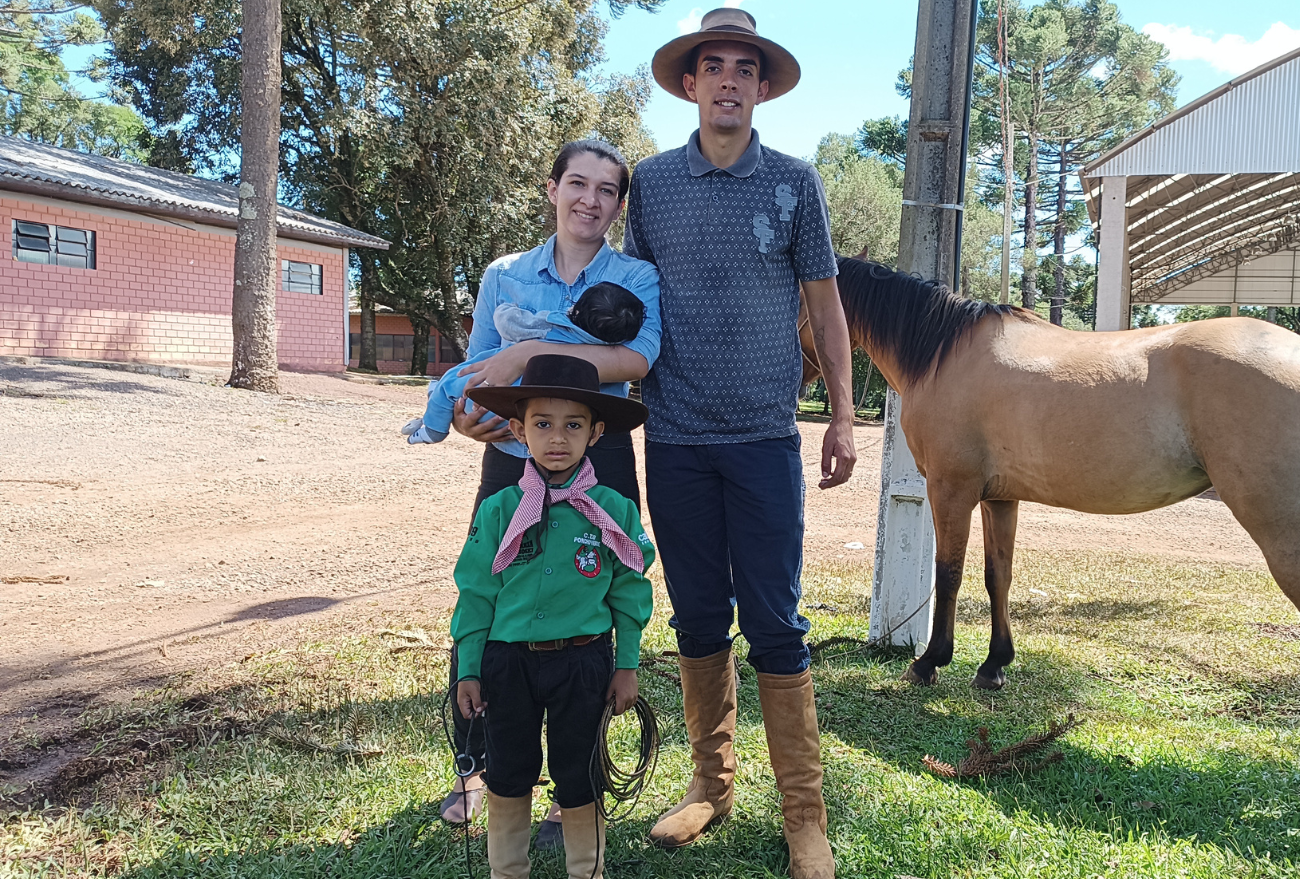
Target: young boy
column 605, row 314
column 550, row 567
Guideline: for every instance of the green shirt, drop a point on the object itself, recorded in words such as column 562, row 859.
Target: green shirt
column 569, row 585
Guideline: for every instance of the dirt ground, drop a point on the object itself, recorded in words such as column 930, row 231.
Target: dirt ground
column 151, row 526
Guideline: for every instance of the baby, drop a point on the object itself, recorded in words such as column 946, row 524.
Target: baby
column 606, row 314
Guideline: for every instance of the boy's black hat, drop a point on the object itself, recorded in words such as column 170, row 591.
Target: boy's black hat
column 564, row 378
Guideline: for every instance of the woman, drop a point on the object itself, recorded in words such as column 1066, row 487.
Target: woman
column 588, row 184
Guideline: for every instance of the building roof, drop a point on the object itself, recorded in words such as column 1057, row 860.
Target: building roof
column 41, row 169
column 1211, row 186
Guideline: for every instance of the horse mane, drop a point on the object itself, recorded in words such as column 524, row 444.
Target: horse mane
column 918, row 322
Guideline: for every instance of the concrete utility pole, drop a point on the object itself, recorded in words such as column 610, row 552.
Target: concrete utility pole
column 933, row 190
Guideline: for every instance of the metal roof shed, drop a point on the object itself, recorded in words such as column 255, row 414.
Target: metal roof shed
column 1203, row 206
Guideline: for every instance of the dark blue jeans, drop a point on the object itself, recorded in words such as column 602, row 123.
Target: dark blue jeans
column 728, row 524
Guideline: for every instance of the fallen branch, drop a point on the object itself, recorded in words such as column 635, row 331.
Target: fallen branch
column 984, row 761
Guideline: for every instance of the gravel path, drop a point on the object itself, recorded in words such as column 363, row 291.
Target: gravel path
column 152, row 525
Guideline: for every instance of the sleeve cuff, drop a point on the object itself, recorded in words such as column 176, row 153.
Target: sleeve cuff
column 627, row 648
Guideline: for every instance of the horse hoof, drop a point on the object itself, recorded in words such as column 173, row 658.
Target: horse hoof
column 912, row 676
column 980, row 682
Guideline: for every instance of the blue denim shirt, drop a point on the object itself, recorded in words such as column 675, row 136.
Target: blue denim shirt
column 530, row 280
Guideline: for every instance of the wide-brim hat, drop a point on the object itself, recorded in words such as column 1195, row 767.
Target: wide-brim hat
column 780, row 70
column 564, row 378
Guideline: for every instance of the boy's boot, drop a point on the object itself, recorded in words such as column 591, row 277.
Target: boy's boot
column 510, row 822
column 709, row 701
column 790, row 720
column 584, row 842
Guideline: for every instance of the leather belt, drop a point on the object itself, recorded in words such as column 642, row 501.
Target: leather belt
column 561, row 643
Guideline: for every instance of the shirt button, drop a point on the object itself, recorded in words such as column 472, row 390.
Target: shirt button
column 541, row 616
column 715, row 198
column 548, row 570
column 555, row 524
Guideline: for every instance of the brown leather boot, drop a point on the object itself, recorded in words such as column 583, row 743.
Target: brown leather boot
column 709, row 701
column 584, row 842
column 510, row 822
column 794, row 743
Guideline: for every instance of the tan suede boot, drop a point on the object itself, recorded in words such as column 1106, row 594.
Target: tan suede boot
column 709, row 702
column 584, row 842
column 793, row 740
column 510, row 822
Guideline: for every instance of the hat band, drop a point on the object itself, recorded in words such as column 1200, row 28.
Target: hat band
column 734, row 28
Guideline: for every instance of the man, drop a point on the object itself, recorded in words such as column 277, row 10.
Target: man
column 735, row 228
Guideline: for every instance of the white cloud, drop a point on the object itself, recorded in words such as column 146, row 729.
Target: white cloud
column 1231, row 53
column 691, row 23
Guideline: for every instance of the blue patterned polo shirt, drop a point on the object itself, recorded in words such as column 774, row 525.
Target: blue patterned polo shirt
column 731, row 245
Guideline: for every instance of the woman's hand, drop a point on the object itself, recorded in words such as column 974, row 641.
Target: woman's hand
column 489, row 430
column 469, row 698
column 622, row 690
column 501, row 369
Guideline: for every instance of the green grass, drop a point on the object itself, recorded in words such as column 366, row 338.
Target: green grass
column 1187, row 764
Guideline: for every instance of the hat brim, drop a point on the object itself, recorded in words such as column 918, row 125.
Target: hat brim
column 781, row 71
column 619, row 413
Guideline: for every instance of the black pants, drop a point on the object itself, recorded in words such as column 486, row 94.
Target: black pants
column 614, row 460
column 568, row 688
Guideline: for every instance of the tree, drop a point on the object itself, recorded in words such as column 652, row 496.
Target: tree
column 864, row 196
column 432, row 125
column 37, row 97
column 254, row 363
column 1080, row 81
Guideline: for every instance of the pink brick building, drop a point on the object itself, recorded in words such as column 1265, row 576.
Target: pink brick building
column 394, row 339
column 107, row 260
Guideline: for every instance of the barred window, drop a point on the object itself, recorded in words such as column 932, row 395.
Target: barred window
column 300, row 277
column 53, row 245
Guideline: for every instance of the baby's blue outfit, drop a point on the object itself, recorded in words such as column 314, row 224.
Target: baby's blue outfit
column 515, row 325
column 531, row 281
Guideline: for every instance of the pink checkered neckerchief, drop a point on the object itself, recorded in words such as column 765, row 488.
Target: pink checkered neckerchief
column 529, row 513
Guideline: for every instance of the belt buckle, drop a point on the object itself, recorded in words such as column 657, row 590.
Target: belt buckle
column 548, row 646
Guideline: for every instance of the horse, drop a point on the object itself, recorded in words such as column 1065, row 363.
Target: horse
column 1000, row 406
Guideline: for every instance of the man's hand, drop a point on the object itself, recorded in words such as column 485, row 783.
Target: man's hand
column 622, row 690
column 469, row 698
column 834, row 354
column 838, row 453
column 489, row 430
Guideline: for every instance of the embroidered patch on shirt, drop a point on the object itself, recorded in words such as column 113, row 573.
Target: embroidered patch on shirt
column 763, row 232
column 587, row 561
column 786, row 200
column 588, row 540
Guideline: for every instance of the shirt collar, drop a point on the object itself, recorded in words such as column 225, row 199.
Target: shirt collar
column 744, row 166
column 595, row 266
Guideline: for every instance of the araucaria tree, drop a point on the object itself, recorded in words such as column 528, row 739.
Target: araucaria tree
column 37, row 98
column 254, row 363
column 431, row 123
column 1080, row 81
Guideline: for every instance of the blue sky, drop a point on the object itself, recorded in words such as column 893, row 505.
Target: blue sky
column 851, row 52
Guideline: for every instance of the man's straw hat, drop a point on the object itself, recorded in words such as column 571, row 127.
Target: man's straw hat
column 779, row 67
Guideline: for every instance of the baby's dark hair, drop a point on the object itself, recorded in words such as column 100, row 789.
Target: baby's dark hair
column 609, row 312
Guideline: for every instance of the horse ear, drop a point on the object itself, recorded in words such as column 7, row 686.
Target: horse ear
column 865, row 253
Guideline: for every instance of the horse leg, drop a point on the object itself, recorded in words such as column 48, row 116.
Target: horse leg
column 1265, row 499
column 951, row 533
column 999, row 545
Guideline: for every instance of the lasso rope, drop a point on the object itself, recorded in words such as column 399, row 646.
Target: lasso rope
column 607, row 777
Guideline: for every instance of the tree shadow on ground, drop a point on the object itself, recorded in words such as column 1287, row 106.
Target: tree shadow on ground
column 71, row 382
